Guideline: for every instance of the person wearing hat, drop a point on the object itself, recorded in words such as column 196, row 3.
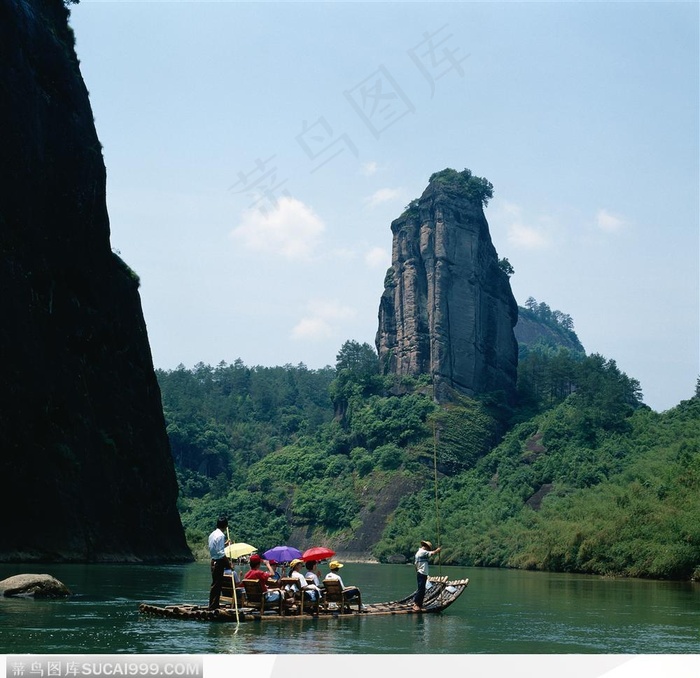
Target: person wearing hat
column 310, row 591
column 219, row 561
column 422, row 563
column 350, row 592
column 256, row 573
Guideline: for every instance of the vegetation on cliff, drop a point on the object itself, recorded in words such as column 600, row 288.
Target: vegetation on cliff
column 579, row 477
column 463, row 184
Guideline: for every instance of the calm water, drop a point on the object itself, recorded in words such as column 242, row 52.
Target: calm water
column 501, row 612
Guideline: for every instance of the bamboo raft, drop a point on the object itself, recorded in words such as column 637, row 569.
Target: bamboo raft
column 441, row 594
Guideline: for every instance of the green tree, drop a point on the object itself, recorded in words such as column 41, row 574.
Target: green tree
column 357, row 374
column 477, row 188
column 506, row 266
column 359, row 359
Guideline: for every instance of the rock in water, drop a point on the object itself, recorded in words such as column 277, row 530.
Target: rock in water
column 447, row 309
column 37, row 585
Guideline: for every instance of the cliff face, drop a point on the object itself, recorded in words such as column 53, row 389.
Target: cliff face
column 84, row 455
column 447, row 309
column 531, row 330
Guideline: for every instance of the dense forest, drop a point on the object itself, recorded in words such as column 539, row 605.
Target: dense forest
column 579, row 476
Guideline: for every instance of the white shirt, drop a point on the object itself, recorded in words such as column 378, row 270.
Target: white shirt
column 217, row 544
column 421, row 560
column 333, row 576
column 301, row 578
column 303, row 583
column 312, row 578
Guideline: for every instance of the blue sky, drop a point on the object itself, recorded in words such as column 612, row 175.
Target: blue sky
column 257, row 153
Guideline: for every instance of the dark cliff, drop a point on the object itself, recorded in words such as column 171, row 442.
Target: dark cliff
column 447, row 309
column 84, row 456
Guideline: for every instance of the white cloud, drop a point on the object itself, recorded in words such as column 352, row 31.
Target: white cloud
column 291, row 229
column 383, row 195
column 322, row 319
column 526, row 237
column 609, row 222
column 511, row 209
column 312, row 328
column 519, row 233
column 370, row 168
column 378, row 257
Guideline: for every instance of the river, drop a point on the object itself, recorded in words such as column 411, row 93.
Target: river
column 501, row 612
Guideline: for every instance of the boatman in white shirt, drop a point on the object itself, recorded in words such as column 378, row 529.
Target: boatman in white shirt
column 422, row 562
column 219, row 561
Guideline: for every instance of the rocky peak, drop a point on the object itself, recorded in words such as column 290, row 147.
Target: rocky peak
column 447, row 309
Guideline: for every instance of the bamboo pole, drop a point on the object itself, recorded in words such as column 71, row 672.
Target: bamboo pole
column 233, row 586
column 437, row 503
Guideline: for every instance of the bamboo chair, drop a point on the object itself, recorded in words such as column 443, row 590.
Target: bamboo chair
column 227, row 591
column 288, row 585
column 285, row 582
column 335, row 593
column 255, row 596
column 303, row 602
column 292, row 584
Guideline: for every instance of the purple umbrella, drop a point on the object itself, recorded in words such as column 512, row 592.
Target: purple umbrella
column 282, row 554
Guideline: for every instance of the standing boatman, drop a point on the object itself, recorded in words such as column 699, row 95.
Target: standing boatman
column 219, row 561
column 422, row 562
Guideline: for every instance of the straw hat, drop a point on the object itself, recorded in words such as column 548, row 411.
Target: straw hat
column 427, row 545
column 294, row 563
column 335, row 565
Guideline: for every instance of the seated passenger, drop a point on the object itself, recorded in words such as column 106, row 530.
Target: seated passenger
column 349, row 591
column 311, row 591
column 313, row 574
column 236, row 582
column 275, row 576
column 271, row 595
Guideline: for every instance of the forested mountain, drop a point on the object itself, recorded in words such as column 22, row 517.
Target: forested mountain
column 578, row 476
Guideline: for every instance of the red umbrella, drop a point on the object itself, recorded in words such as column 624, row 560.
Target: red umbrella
column 317, row 553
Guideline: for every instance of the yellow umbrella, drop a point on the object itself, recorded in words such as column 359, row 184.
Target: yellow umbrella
column 238, row 550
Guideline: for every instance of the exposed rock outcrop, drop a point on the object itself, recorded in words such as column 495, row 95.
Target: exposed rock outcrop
column 84, row 456
column 530, row 331
column 36, row 585
column 447, row 309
